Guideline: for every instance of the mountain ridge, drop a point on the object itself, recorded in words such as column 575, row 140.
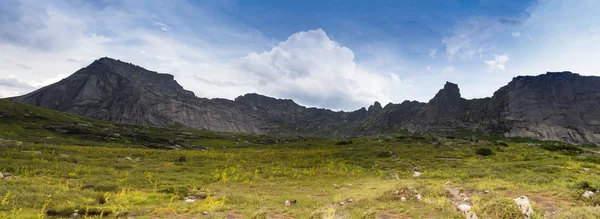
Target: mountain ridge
column 559, row 106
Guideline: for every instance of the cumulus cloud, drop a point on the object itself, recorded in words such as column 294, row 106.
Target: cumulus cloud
column 312, row 68
column 516, row 34
column 498, row 63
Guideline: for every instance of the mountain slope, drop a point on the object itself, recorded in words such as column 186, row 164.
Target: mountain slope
column 555, row 106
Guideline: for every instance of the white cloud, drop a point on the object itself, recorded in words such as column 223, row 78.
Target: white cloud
column 432, row 53
column 311, row 68
column 498, row 63
column 428, row 68
column 162, row 26
column 516, row 34
column 469, row 37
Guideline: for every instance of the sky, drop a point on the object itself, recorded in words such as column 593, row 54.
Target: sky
column 334, row 54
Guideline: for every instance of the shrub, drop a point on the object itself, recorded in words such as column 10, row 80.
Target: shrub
column 501, row 143
column 344, row 142
column 584, row 185
column 484, row 151
column 496, row 207
column 565, row 148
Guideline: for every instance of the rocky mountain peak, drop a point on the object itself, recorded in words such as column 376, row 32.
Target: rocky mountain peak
column 449, row 95
column 553, row 106
column 254, row 99
column 376, row 107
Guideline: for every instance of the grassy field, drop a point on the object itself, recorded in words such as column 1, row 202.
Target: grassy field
column 245, row 180
column 62, row 164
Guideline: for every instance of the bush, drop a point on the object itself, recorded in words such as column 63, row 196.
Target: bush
column 496, row 207
column 501, row 143
column 584, row 185
column 565, row 148
column 344, row 142
column 484, row 151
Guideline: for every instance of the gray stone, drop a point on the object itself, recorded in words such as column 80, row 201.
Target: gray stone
column 471, row 215
column 525, row 206
column 588, row 195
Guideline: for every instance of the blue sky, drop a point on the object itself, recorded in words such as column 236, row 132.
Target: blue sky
column 341, row 55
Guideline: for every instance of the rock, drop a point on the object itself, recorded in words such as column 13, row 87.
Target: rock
column 349, row 200
column 174, row 147
column 417, row 174
column 341, row 203
column 128, row 158
column 533, row 145
column 588, row 195
column 525, row 206
column 464, row 208
column 1, row 175
column 396, row 192
column 32, row 152
column 75, row 214
column 471, row 215
column 190, row 199
column 290, row 202
column 403, row 199
column 336, row 185
column 586, row 169
column 205, row 213
column 419, row 197
column 63, row 155
column 486, row 191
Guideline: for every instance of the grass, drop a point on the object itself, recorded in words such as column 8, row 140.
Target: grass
column 251, row 176
column 255, row 180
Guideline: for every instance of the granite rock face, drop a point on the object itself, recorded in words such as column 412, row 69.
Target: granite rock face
column 555, row 106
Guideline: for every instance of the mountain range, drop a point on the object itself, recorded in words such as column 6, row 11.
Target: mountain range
column 560, row 106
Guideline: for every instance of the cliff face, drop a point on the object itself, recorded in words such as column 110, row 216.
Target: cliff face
column 555, row 106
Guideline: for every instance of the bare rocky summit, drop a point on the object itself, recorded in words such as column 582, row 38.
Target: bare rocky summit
column 561, row 106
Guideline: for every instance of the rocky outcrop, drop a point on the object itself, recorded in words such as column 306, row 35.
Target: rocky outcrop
column 555, row 106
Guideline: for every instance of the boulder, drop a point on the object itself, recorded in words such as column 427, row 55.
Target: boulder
column 190, row 199
column 525, row 206
column 471, row 215
column 588, row 195
column 464, row 208
column 290, row 202
column 417, row 174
